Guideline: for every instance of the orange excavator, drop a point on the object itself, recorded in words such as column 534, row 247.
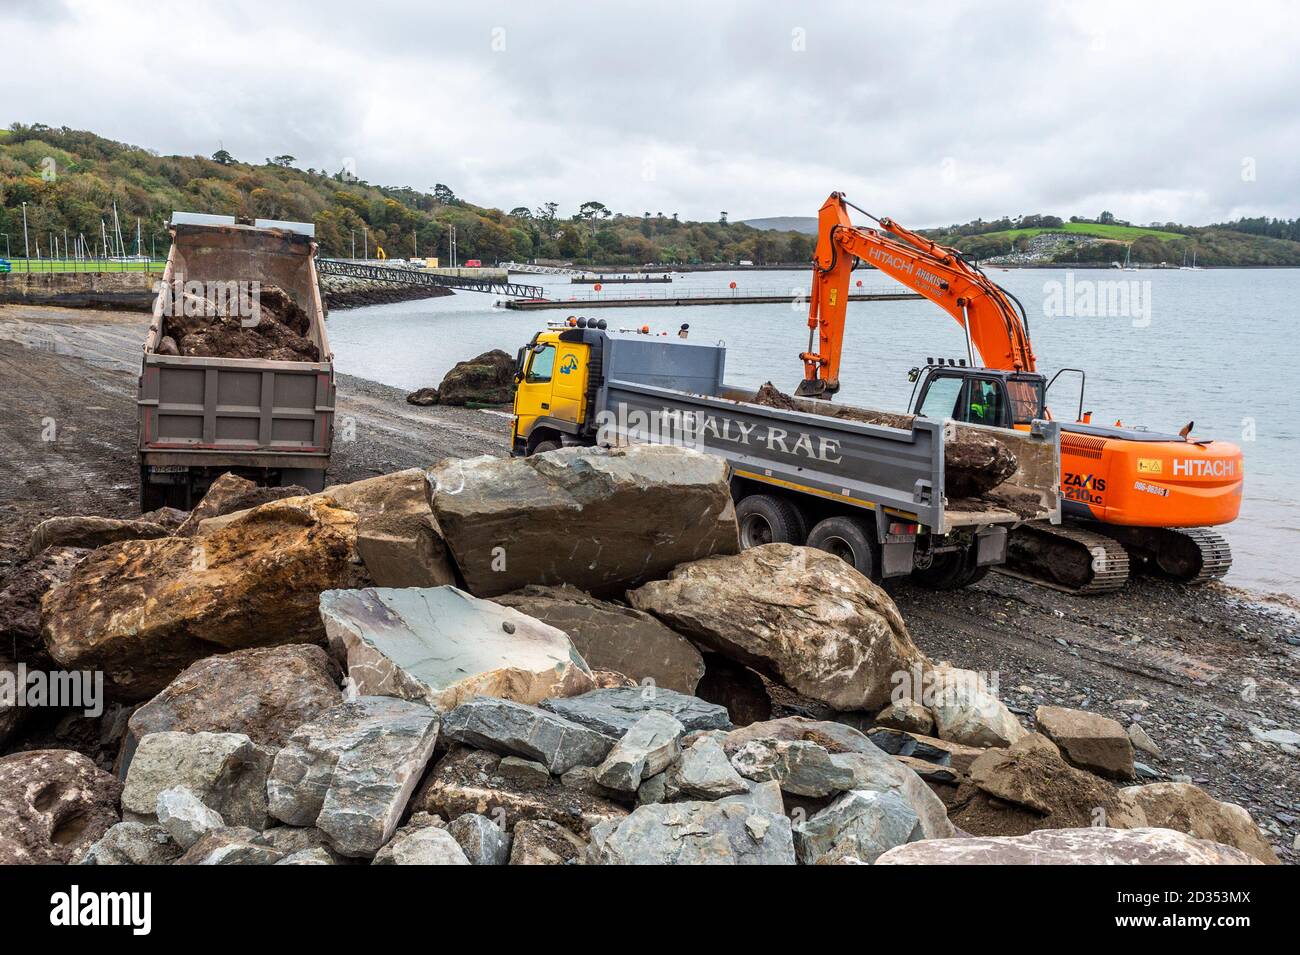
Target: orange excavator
column 1134, row 500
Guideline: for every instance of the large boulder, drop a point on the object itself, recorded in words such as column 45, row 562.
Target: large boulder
column 602, row 520
column 397, row 537
column 613, row 710
column 264, row 693
column 612, row 636
column 142, row 611
column 1189, row 809
column 1094, row 845
column 21, row 591
column 1029, row 786
column 801, row 616
column 230, row 493
column 1088, row 740
column 695, row 833
column 90, row 532
column 54, row 805
column 442, row 646
column 520, row 730
column 471, row 780
column 351, row 771
column 487, row 379
column 967, row 712
column 225, row 771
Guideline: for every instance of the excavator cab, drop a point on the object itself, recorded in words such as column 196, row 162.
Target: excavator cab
column 989, row 396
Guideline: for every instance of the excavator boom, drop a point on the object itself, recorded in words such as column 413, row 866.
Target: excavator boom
column 994, row 324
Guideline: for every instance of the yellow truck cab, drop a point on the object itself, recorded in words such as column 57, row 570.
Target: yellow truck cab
column 553, row 396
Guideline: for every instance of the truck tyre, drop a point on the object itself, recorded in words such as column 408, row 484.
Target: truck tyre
column 951, row 571
column 541, row 447
column 767, row 519
column 851, row 539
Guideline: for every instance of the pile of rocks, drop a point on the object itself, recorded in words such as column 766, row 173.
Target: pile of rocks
column 519, row 661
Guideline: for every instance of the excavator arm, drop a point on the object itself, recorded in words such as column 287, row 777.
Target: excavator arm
column 994, row 323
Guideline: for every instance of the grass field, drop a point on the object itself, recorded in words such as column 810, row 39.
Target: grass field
column 81, row 265
column 1119, row 233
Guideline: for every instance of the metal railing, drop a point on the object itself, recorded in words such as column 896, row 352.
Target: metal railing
column 402, row 276
column 792, row 293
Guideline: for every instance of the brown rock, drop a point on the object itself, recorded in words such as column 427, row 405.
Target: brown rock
column 90, row 532
column 264, row 693
column 799, row 615
column 230, row 493
column 144, row 610
column 612, row 636
column 21, row 592
column 467, row 780
column 54, row 805
column 601, row 520
column 908, row 715
column 1186, row 808
column 1088, row 740
column 1095, row 845
column 1028, row 786
column 543, row 842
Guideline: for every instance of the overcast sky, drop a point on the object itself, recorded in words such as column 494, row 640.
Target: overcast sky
column 929, row 113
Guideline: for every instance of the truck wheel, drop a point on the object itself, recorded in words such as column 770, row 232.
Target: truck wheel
column 950, row 571
column 767, row 519
column 541, row 447
column 852, row 540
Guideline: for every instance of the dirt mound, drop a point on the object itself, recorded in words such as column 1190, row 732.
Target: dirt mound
column 276, row 331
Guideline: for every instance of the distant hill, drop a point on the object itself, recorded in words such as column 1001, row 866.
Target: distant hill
column 804, row 224
column 70, row 180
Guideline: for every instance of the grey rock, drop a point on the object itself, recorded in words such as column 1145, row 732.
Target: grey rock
column 908, row 715
column 649, row 747
column 351, row 772
column 524, row 773
column 521, row 730
column 966, row 712
column 625, row 515
column 481, row 839
column 133, row 843
column 428, row 845
column 185, row 817
column 705, row 772
column 613, row 636
column 695, row 833
column 875, row 771
column 441, row 646
column 1095, row 845
column 800, row 767
column 653, row 790
column 613, row 711
column 859, row 825
column 226, row 771
column 233, row 845
column 766, row 796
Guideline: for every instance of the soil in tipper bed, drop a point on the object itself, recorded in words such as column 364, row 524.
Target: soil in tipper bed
column 974, row 464
column 281, row 332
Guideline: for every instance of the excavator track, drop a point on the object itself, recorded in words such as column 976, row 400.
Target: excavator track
column 1066, row 557
column 1190, row 555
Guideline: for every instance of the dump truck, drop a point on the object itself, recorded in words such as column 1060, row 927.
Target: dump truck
column 270, row 421
column 869, row 486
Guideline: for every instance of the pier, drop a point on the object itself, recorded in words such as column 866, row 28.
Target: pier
column 707, row 297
